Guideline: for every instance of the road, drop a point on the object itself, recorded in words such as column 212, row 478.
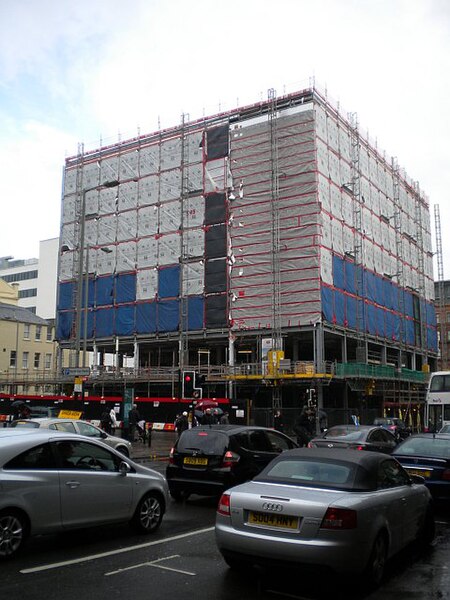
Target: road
column 181, row 560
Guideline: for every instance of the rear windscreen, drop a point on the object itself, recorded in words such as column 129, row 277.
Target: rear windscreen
column 311, row 472
column 207, row 442
column 434, row 447
column 344, row 433
column 24, row 424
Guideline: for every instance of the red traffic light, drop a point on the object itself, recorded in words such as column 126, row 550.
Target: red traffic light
column 187, row 378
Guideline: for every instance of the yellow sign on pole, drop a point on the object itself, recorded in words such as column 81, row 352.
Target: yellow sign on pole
column 70, row 414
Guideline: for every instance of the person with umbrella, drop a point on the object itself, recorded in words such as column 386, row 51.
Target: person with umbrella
column 20, row 410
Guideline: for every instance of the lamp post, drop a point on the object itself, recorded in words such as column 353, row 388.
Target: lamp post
column 106, row 184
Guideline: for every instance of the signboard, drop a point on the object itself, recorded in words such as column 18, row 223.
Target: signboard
column 78, row 385
column 76, row 372
column 70, row 414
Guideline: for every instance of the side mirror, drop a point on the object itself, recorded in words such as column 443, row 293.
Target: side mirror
column 417, row 479
column 103, row 435
column 124, row 468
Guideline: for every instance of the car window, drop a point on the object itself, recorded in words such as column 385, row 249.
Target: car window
column 426, row 446
column 258, row 441
column 63, row 426
column 209, row 442
column 391, row 474
column 25, row 424
column 344, row 432
column 39, row 457
column 310, row 471
column 386, row 436
column 376, row 436
column 89, row 430
column 83, row 456
column 278, row 443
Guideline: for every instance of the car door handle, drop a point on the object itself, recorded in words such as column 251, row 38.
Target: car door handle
column 72, row 484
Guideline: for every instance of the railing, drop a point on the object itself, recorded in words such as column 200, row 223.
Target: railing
column 364, row 370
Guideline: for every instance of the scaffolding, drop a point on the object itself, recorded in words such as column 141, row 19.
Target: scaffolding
column 441, row 286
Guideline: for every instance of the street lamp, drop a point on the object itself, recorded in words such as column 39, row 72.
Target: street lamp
column 106, row 184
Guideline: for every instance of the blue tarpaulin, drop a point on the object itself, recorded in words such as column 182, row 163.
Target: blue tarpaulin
column 146, row 317
column 125, row 288
column 65, row 321
column 168, row 315
column 66, row 295
column 104, row 322
column 124, row 321
column 169, row 282
column 104, row 291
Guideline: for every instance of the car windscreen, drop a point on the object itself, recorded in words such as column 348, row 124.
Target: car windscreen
column 207, row 442
column 314, row 473
column 433, row 447
column 29, row 424
column 345, row 433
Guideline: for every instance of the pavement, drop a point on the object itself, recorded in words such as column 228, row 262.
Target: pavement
column 158, row 449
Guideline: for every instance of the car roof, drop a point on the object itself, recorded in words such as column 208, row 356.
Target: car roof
column 364, row 464
column 229, row 428
column 49, row 420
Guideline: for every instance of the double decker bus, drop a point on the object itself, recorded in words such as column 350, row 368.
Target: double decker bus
column 437, row 409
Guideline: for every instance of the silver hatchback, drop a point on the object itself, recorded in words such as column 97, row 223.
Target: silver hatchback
column 77, row 426
column 52, row 481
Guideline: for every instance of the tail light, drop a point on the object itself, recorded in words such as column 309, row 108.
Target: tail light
column 171, row 456
column 339, row 518
column 230, row 459
column 223, row 507
column 446, row 475
column 310, row 445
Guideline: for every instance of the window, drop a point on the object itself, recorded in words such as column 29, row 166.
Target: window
column 13, row 358
column 25, row 358
column 391, row 474
column 31, row 293
column 49, row 333
column 39, row 457
column 89, row 430
column 26, row 331
column 85, row 457
column 38, row 332
column 20, row 276
column 278, row 442
column 37, row 360
column 66, row 426
column 48, row 361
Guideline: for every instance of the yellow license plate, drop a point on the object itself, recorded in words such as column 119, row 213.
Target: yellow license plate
column 424, row 473
column 269, row 520
column 193, row 460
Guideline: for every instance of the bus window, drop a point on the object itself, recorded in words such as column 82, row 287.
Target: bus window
column 435, row 417
column 440, row 383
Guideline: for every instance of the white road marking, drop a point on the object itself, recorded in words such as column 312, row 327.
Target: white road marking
column 90, row 557
column 153, row 563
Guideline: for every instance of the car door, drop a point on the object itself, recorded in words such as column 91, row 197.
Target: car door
column 92, row 489
column 261, row 449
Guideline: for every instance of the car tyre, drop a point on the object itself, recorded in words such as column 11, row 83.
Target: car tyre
column 13, row 532
column 148, row 514
column 377, row 562
column 428, row 530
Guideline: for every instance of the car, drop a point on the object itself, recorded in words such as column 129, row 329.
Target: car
column 323, row 508
column 77, row 426
column 208, row 459
column 356, row 437
column 445, row 429
column 394, row 425
column 428, row 455
column 53, row 481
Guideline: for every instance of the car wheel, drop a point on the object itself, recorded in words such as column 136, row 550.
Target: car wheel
column 377, row 562
column 123, row 450
column 13, row 532
column 149, row 513
column 428, row 530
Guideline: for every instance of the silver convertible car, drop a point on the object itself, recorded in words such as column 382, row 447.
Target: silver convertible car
column 52, row 481
column 344, row 510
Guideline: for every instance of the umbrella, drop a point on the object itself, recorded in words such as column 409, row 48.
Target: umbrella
column 204, row 404
column 17, row 404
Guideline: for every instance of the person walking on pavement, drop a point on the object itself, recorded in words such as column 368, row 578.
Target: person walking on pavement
column 133, row 419
column 182, row 423
column 112, row 414
column 224, row 420
column 208, row 418
column 105, row 420
column 278, row 421
column 303, row 427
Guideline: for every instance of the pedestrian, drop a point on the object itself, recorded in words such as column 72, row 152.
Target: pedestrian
column 105, row 420
column 133, row 419
column 141, row 429
column 224, row 419
column 303, row 427
column 208, row 418
column 181, row 424
column 278, row 421
column 113, row 425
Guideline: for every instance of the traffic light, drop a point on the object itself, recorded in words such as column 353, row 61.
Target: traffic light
column 188, row 384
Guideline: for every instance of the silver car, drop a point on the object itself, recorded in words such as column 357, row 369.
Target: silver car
column 52, row 481
column 77, row 426
column 341, row 509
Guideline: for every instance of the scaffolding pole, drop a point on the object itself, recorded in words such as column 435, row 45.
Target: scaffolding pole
column 441, row 287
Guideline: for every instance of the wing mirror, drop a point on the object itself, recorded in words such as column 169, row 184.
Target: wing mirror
column 124, row 468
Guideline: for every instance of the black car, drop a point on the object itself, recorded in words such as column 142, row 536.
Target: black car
column 428, row 455
column 356, row 437
column 394, row 425
column 209, row 459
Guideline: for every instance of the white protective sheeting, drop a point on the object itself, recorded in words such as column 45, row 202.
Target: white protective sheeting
column 147, row 252
column 193, row 278
column 146, row 284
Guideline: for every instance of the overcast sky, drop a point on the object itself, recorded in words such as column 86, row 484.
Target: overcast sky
column 95, row 71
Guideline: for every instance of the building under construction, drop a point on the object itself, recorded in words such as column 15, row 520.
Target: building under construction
column 272, row 248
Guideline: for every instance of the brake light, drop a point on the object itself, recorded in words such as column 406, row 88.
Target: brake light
column 391, row 427
column 223, row 507
column 339, row 518
column 171, row 456
column 446, row 475
column 230, row 459
column 310, row 445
